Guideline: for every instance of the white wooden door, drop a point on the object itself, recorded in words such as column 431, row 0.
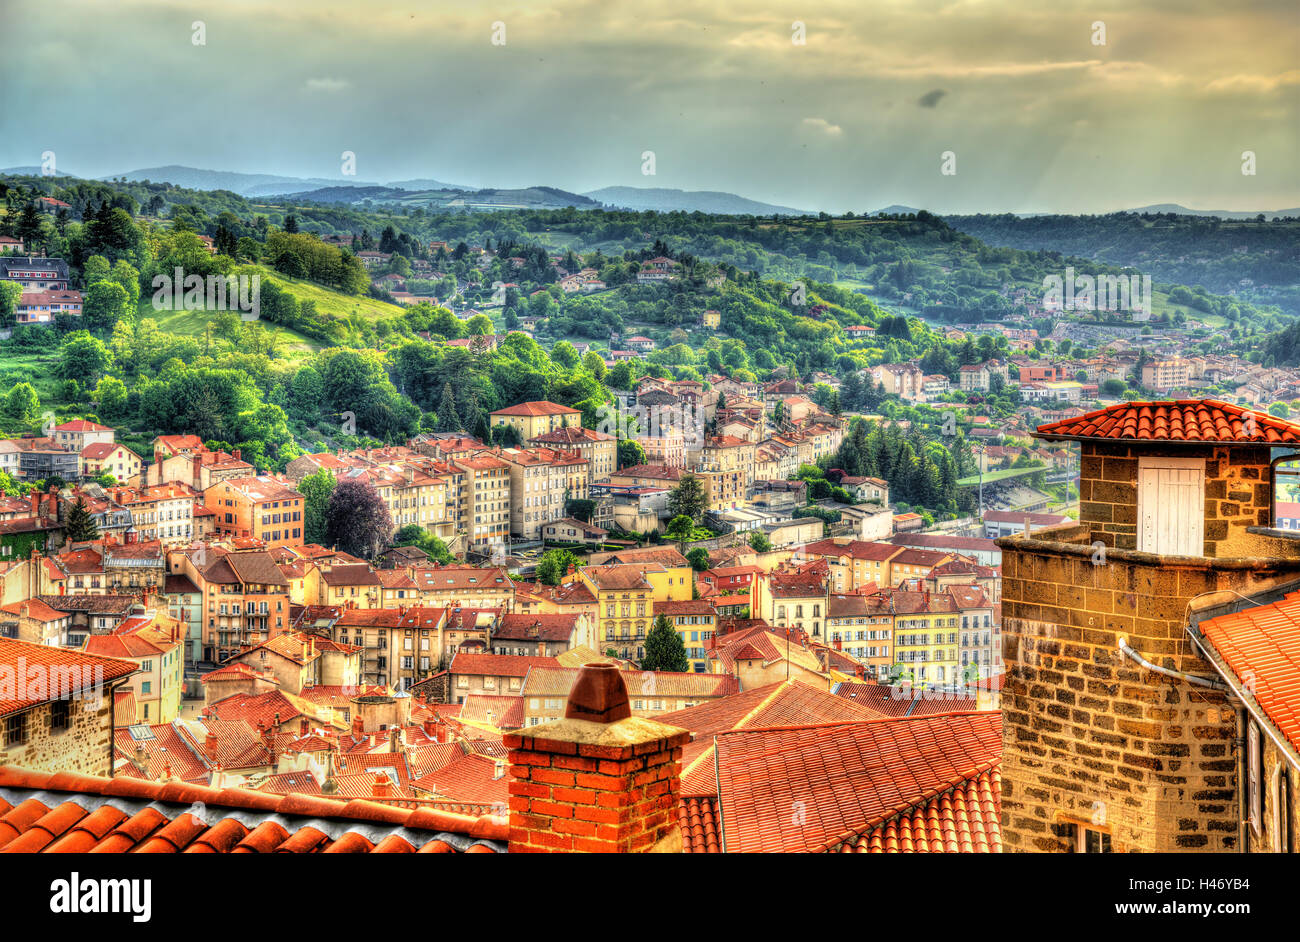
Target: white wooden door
column 1171, row 506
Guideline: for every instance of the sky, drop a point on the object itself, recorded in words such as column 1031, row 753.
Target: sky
column 1019, row 97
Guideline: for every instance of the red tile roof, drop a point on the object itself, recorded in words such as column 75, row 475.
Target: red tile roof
column 501, row 712
column 816, row 788
column 498, row 665
column 1261, row 645
column 105, row 816
column 903, row 701
column 699, row 822
column 1182, row 420
column 471, row 779
column 963, row 820
column 536, row 408
column 785, row 703
column 60, row 673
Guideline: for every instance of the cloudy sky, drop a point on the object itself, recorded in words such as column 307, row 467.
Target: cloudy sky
column 1039, row 115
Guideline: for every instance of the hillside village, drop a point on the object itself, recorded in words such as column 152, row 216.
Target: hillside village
column 875, row 555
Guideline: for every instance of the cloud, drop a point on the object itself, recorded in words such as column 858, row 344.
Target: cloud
column 327, row 85
column 824, row 126
column 931, row 99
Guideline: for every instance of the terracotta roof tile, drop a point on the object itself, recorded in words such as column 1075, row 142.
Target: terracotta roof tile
column 63, row 673
column 89, row 814
column 1182, row 420
column 814, row 788
column 1261, row 645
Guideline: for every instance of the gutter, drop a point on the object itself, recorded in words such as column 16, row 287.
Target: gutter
column 1248, row 701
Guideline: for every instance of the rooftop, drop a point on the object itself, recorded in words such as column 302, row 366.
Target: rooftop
column 70, row 813
column 1189, row 421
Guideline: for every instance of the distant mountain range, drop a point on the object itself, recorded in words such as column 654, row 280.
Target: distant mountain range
column 437, row 193
column 664, row 200
column 1221, row 213
column 257, row 184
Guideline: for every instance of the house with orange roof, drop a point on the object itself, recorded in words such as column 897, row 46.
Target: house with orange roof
column 792, row 599
column 245, row 598
column 492, row 674
column 484, row 505
column 598, row 449
column 155, row 643
column 258, row 507
column 56, row 707
column 531, row 419
column 163, row 512
column 35, row 622
column 76, row 434
column 542, row 635
column 303, row 659
column 542, row 481
column 192, row 464
column 758, row 655
column 459, row 585
column 695, row 621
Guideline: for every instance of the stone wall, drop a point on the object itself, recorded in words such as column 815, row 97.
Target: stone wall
column 82, row 747
column 1088, row 734
column 1238, row 494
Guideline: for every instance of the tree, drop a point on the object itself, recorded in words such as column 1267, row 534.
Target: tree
column 630, row 453
column 316, row 489
column 415, row 535
column 448, row 420
column 554, row 565
column 22, row 404
column 112, row 398
column 80, row 524
column 699, row 559
column 681, row 528
column 10, row 292
column 759, row 542
column 83, row 358
column 104, row 305
column 688, row 498
column 664, row 650
column 357, row 519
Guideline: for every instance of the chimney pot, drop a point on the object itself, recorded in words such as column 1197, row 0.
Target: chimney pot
column 599, row 695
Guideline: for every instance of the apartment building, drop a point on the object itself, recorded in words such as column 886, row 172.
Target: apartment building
column 531, row 419
column 599, row 450
column 542, row 482
column 485, row 501
column 258, row 507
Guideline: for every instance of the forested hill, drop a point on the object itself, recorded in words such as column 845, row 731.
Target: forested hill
column 1256, row 260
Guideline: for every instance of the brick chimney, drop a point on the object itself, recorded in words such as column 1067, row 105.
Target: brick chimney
column 382, row 787
column 600, row 780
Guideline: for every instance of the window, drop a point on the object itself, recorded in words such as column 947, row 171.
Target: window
column 1093, row 841
column 1171, row 506
column 16, row 730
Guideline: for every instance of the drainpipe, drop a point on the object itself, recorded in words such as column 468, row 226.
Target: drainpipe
column 1169, row 672
column 1243, row 825
column 1284, row 810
